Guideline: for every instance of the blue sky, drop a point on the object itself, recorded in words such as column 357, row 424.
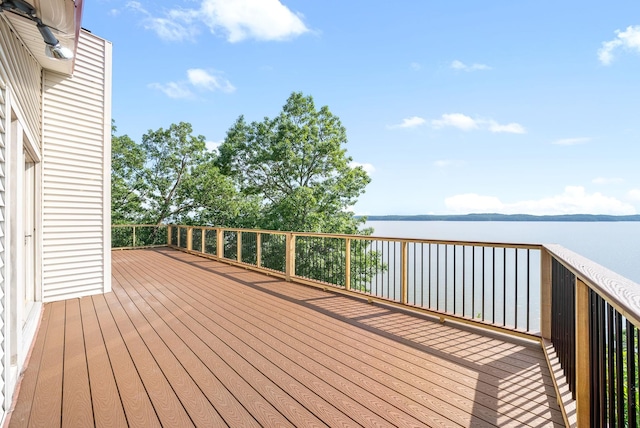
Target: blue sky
column 452, row 106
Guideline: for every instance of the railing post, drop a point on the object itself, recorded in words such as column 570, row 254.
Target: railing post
column 178, row 232
column 290, row 256
column 133, row 244
column 239, row 249
column 203, row 238
column 169, row 235
column 545, row 294
column 220, row 243
column 258, row 249
column 189, row 238
column 583, row 358
column 347, row 264
column 404, row 272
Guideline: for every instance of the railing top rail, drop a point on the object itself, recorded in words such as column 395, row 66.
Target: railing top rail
column 622, row 293
column 377, row 238
column 139, row 225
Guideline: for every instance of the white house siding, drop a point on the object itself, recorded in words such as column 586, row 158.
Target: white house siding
column 3, row 254
column 23, row 73
column 21, row 81
column 76, row 170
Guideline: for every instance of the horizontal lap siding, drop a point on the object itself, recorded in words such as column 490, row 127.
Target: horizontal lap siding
column 20, row 80
column 76, row 166
column 24, row 75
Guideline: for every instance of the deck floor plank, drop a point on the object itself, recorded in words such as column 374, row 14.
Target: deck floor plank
column 77, row 409
column 22, row 412
column 188, row 341
column 47, row 399
column 320, row 383
column 442, row 399
column 107, row 407
column 169, row 409
column 136, row 403
column 330, row 367
column 251, row 387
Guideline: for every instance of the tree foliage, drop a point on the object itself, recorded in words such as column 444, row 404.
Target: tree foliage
column 297, row 165
column 128, row 185
column 171, row 177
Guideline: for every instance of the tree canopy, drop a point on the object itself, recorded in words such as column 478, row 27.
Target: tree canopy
column 291, row 172
column 171, row 177
column 297, row 165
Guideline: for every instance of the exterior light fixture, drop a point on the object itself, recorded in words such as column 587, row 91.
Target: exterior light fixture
column 53, row 48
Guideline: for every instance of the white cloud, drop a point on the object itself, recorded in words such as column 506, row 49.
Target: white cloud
column 257, row 19
column 197, row 78
column 467, row 123
column 574, row 200
column 628, row 39
column 173, row 89
column 457, row 120
column 634, row 194
column 368, row 168
column 459, row 65
column 175, row 26
column 206, row 80
column 409, row 122
column 114, row 12
column 238, row 20
column 511, row 128
column 415, row 66
column 607, row 180
column 571, row 141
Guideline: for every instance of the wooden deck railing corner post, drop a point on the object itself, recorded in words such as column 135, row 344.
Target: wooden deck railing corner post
column 239, row 249
column 404, row 275
column 133, row 244
column 189, row 238
column 203, row 240
column 169, row 231
column 219, row 243
column 583, row 357
column 258, row 249
column 290, row 256
column 545, row 294
column 347, row 264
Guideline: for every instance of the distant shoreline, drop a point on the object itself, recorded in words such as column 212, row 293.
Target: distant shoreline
column 505, row 217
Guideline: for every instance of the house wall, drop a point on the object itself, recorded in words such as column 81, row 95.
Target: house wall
column 20, row 103
column 22, row 70
column 61, row 125
column 76, row 175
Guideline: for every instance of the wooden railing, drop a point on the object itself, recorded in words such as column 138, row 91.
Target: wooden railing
column 585, row 316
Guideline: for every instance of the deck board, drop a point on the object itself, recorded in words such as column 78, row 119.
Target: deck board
column 187, row 341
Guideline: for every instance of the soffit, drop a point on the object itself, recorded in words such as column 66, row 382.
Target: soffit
column 63, row 17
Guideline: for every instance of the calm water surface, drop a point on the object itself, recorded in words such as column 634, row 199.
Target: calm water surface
column 615, row 245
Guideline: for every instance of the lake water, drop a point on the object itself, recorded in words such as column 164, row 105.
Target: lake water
column 614, row 245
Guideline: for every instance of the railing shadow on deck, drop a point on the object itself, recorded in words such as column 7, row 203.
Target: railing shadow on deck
column 585, row 317
column 491, row 376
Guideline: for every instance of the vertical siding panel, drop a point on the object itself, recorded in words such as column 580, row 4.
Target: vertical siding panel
column 76, row 174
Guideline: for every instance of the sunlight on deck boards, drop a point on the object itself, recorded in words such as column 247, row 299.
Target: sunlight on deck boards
column 187, row 341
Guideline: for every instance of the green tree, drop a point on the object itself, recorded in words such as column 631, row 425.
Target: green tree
column 128, row 186
column 297, row 164
column 172, row 177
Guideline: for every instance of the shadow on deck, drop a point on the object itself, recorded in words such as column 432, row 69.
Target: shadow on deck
column 187, row 341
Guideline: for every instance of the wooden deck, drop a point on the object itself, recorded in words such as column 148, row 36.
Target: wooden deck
column 187, row 341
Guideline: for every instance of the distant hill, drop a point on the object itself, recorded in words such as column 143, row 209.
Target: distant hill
column 504, row 217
